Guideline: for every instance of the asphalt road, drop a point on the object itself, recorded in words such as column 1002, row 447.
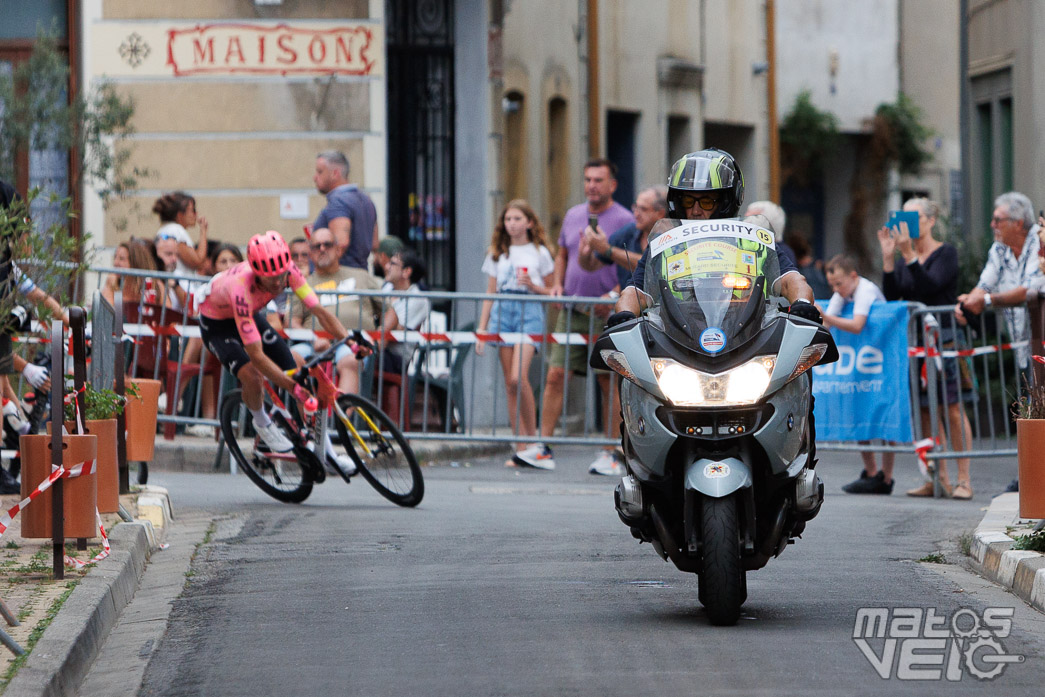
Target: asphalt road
column 510, row 582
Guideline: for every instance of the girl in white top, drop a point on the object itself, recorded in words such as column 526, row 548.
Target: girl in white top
column 518, row 263
column 177, row 212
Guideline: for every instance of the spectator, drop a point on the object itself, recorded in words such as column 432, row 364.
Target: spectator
column 224, row 257
column 600, row 181
column 387, row 248
column 404, row 271
column 851, row 287
column 352, row 311
column 177, row 290
column 1009, row 273
column 349, row 213
column 625, row 247
column 518, row 262
column 809, row 268
column 121, row 259
column 177, row 212
column 929, row 275
column 777, row 220
column 299, row 254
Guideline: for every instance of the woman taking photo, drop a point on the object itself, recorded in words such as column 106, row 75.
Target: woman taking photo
column 928, row 273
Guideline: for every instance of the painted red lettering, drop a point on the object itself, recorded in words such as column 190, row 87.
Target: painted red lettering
column 312, row 49
column 343, row 51
column 203, row 54
column 261, row 49
column 234, row 48
column 282, row 42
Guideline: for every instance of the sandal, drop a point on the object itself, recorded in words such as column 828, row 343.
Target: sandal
column 962, row 492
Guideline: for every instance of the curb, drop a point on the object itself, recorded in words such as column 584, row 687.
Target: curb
column 64, row 654
column 1016, row 570
column 198, row 455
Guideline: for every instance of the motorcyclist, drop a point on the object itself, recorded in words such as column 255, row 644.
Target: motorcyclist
column 704, row 185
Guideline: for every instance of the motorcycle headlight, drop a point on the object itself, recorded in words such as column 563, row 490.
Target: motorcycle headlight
column 686, row 387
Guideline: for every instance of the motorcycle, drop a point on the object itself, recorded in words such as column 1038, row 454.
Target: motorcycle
column 716, row 395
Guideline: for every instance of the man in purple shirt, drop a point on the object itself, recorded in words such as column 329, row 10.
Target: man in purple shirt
column 600, row 181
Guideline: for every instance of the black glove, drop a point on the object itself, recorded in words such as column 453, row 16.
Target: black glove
column 805, row 310
column 619, row 318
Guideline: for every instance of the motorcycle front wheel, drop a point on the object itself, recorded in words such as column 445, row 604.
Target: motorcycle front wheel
column 723, row 586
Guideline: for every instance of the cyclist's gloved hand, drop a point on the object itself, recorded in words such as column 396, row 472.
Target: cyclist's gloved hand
column 619, row 318
column 305, row 398
column 35, row 375
column 805, row 310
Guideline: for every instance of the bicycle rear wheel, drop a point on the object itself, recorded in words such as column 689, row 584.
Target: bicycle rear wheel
column 383, row 456
column 281, row 476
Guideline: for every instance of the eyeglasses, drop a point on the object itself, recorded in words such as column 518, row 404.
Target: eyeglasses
column 637, row 207
column 995, row 220
column 708, row 203
column 300, row 255
column 316, row 246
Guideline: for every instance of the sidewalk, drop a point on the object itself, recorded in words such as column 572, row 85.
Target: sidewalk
column 65, row 651
column 200, row 455
column 1020, row 571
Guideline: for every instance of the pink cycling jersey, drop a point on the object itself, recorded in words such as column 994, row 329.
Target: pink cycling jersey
column 232, row 294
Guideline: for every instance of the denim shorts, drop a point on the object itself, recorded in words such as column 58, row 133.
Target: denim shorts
column 516, row 316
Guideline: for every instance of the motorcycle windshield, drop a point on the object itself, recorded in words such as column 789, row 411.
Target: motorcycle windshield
column 712, row 278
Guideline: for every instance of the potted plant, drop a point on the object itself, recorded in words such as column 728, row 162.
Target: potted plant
column 1029, row 411
column 142, row 408
column 79, row 494
column 101, row 407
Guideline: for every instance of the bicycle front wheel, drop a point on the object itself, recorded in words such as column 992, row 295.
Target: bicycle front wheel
column 383, row 456
column 280, row 475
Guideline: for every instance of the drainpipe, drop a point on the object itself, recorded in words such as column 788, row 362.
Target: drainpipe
column 774, row 130
column 594, row 113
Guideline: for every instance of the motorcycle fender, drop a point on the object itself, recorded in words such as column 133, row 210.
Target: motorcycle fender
column 717, row 478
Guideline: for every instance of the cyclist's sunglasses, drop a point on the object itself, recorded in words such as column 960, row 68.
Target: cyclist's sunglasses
column 708, row 203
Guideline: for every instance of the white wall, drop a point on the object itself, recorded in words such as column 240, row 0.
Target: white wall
column 865, row 38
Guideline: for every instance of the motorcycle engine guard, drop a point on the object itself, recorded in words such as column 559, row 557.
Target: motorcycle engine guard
column 717, row 478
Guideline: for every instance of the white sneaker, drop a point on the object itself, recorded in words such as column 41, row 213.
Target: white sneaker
column 199, row 431
column 344, row 462
column 607, row 464
column 274, row 438
column 537, row 455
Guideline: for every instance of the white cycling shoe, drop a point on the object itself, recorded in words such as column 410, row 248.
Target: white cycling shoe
column 344, row 462
column 273, row 437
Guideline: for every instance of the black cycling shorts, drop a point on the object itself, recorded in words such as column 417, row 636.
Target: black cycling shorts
column 223, row 340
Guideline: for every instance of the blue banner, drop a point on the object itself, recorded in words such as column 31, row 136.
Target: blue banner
column 866, row 393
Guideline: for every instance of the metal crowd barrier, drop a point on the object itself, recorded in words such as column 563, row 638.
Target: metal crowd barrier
column 447, row 392
column 989, row 368
column 444, row 392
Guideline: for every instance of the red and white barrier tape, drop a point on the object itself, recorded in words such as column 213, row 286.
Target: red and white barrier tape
column 399, row 335
column 921, row 352
column 921, row 448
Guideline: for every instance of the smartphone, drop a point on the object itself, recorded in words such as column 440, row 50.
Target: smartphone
column 909, row 217
column 593, row 222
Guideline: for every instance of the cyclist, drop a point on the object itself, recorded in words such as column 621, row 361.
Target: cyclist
column 233, row 325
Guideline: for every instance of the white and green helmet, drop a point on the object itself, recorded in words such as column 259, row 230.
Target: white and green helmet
column 706, row 171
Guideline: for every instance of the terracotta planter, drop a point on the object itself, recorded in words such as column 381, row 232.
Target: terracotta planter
column 1030, row 444
column 108, row 466
column 141, row 420
column 79, row 495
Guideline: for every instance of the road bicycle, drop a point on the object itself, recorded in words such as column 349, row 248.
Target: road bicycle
column 362, row 433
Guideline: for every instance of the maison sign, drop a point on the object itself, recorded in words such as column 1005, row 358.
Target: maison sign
column 168, row 49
